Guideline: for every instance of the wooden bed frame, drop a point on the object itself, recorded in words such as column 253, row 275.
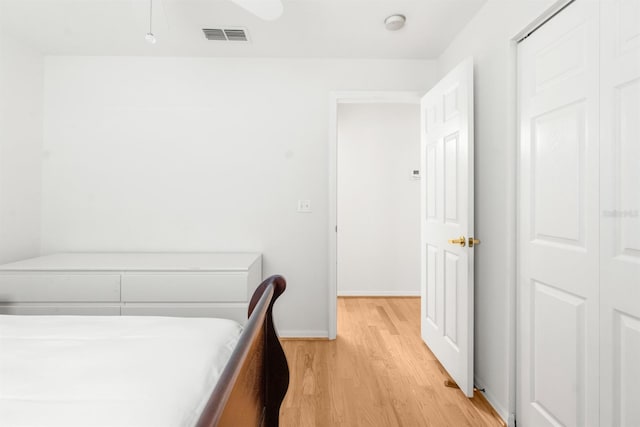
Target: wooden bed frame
column 255, row 380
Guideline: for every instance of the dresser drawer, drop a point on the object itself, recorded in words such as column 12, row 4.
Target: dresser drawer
column 214, row 287
column 60, row 309
column 59, row 287
column 237, row 312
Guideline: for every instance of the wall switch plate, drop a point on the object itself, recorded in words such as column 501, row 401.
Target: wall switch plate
column 304, row 206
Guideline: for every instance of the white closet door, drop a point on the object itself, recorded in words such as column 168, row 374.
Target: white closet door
column 620, row 213
column 558, row 221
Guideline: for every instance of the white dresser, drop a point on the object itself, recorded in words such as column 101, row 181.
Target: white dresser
column 155, row 284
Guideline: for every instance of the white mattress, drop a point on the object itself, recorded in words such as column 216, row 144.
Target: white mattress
column 110, row 371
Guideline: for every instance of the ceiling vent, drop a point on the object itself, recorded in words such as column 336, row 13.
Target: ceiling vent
column 226, row 34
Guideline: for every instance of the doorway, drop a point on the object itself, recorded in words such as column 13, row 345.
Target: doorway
column 379, row 177
column 378, row 210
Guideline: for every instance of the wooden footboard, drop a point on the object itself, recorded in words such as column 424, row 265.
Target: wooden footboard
column 255, row 380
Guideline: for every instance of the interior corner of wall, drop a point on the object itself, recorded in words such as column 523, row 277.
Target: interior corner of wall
column 498, row 406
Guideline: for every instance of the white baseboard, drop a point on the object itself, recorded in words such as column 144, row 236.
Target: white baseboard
column 290, row 333
column 378, row 293
column 504, row 414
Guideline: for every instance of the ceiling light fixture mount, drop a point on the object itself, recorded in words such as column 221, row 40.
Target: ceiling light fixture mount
column 149, row 37
column 395, row 22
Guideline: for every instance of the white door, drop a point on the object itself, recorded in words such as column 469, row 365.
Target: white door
column 447, row 214
column 620, row 213
column 558, row 234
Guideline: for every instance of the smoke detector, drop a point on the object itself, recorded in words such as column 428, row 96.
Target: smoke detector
column 395, row 22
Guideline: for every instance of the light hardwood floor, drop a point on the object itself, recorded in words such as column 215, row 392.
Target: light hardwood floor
column 377, row 373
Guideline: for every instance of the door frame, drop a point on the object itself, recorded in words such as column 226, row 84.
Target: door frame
column 513, row 186
column 336, row 98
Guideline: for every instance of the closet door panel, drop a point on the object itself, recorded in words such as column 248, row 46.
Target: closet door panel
column 620, row 213
column 558, row 242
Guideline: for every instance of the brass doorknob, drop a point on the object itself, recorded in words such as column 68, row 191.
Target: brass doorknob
column 462, row 241
column 473, row 242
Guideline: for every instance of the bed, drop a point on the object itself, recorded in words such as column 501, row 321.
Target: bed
column 144, row 371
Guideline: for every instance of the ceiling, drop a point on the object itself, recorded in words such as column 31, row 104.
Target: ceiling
column 307, row 28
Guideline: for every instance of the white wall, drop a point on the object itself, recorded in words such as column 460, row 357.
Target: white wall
column 487, row 38
column 378, row 201
column 180, row 154
column 21, row 96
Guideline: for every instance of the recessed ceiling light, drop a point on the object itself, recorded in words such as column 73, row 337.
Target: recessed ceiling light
column 395, row 22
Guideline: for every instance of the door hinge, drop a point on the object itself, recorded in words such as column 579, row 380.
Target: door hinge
column 336, row 228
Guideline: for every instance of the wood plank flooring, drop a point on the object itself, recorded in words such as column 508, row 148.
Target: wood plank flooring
column 377, row 373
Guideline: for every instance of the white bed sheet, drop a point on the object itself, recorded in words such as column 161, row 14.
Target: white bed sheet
column 112, row 371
